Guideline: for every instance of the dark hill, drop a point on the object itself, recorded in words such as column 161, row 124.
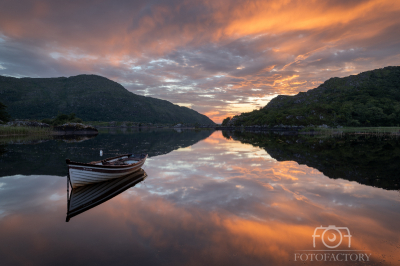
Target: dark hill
column 370, row 98
column 90, row 97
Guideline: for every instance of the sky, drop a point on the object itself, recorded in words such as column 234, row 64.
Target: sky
column 218, row 57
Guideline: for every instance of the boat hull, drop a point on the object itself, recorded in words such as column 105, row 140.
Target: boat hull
column 84, row 174
column 87, row 197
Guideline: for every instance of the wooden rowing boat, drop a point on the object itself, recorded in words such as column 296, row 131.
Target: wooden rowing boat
column 86, row 197
column 81, row 174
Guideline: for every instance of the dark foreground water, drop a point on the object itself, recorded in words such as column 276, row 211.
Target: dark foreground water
column 210, row 198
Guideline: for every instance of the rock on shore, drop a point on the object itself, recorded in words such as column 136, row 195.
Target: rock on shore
column 74, row 129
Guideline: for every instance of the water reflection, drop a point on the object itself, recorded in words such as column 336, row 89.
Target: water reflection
column 2, row 150
column 72, row 138
column 47, row 157
column 217, row 202
column 366, row 159
column 86, row 197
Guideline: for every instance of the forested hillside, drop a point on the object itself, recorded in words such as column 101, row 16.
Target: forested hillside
column 370, row 98
column 90, row 97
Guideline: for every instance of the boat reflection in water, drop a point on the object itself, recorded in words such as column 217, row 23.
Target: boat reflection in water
column 86, row 197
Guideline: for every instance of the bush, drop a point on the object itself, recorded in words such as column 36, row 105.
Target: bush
column 4, row 116
column 62, row 119
column 226, row 121
column 47, row 121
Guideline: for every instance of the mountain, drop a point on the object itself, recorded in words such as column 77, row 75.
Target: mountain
column 90, row 97
column 370, row 98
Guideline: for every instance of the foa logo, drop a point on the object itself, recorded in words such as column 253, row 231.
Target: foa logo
column 331, row 236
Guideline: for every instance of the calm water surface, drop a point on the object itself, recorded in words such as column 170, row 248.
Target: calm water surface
column 210, row 198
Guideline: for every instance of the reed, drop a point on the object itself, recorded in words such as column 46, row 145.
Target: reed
column 18, row 131
column 376, row 131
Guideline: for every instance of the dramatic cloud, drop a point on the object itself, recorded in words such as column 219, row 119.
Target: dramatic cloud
column 217, row 57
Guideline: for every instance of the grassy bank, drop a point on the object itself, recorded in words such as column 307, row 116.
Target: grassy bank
column 354, row 130
column 370, row 129
column 20, row 131
column 126, row 123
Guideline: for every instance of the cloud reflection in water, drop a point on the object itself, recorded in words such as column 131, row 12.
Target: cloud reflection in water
column 203, row 205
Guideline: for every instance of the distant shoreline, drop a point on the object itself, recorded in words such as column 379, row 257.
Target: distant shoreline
column 37, row 131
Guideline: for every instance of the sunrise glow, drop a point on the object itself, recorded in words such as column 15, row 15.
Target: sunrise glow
column 219, row 58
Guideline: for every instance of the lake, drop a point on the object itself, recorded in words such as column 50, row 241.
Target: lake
column 209, row 198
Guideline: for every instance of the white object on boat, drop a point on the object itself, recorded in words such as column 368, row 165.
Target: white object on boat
column 101, row 152
column 81, row 174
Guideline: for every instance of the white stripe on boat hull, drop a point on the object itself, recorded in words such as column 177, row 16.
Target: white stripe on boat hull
column 86, row 197
column 83, row 175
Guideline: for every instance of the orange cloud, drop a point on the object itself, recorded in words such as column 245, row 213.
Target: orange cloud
column 233, row 51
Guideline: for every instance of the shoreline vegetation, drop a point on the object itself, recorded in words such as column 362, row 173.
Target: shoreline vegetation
column 56, row 126
column 130, row 124
column 10, row 131
column 7, row 131
column 315, row 130
column 62, row 124
column 356, row 130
